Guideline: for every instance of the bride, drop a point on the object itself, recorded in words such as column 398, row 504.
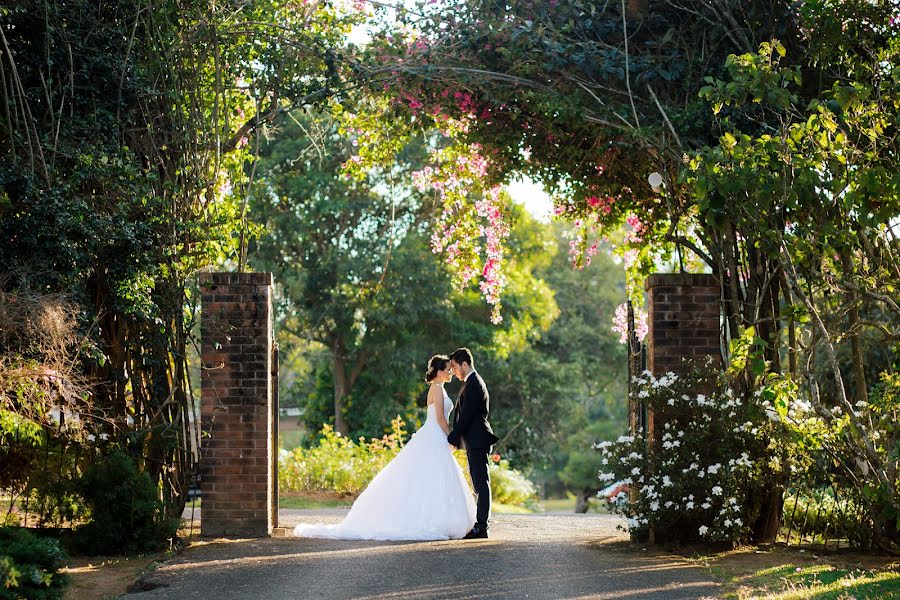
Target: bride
column 421, row 494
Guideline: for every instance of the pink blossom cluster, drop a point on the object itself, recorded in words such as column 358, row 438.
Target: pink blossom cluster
column 463, row 225
column 495, row 232
column 620, row 323
column 581, row 256
column 603, row 205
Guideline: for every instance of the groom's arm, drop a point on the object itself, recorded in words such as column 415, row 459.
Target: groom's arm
column 473, row 401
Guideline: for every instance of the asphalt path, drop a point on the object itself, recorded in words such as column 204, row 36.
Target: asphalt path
column 555, row 556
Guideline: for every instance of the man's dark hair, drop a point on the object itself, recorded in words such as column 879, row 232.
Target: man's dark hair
column 463, row 355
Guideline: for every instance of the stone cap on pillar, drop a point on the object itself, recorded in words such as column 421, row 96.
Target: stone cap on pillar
column 208, row 278
column 681, row 279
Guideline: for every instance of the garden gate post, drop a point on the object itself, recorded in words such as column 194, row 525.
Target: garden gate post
column 238, row 406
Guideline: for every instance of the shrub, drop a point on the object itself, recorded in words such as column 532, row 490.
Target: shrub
column 29, row 566
column 702, row 478
column 825, row 517
column 338, row 464
column 127, row 514
column 509, row 486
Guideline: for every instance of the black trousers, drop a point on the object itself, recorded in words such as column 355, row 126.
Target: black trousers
column 481, row 480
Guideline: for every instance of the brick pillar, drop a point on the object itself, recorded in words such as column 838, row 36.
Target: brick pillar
column 683, row 320
column 238, row 447
column 683, row 317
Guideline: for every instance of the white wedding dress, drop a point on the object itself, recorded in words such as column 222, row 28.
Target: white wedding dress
column 421, row 494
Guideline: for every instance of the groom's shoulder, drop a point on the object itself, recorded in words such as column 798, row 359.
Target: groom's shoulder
column 480, row 381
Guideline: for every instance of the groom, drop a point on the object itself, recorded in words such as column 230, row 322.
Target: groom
column 472, row 431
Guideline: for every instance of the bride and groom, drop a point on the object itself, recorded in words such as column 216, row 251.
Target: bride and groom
column 422, row 493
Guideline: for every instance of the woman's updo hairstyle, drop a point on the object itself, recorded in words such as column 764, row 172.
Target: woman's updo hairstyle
column 437, row 363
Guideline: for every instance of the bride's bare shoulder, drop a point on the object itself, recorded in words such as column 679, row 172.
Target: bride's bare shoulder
column 433, row 393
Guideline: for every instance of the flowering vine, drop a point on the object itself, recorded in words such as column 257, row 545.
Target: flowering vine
column 456, row 177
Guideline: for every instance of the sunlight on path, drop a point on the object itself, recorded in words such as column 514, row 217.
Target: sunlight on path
column 527, row 556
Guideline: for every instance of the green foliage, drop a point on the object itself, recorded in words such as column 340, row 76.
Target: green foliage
column 126, row 513
column 341, row 465
column 822, row 517
column 337, row 463
column 509, row 486
column 29, row 566
column 865, row 498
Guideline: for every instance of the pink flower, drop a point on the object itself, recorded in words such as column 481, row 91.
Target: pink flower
column 620, row 323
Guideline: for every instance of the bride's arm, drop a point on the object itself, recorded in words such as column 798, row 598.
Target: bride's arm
column 436, row 398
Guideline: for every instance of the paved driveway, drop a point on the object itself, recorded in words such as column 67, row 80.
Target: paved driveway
column 528, row 556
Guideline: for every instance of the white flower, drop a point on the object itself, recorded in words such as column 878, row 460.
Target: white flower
column 636, row 471
column 703, row 529
column 666, row 481
column 738, row 522
column 654, row 506
column 669, row 504
column 605, row 461
column 689, row 506
column 713, row 469
column 606, row 476
column 727, row 522
column 717, row 491
column 706, row 505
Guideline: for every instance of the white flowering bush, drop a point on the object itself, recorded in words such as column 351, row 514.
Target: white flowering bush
column 701, row 476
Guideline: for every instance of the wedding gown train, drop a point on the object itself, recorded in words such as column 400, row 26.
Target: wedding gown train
column 421, row 494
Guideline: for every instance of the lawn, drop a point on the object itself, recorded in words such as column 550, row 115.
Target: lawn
column 778, row 573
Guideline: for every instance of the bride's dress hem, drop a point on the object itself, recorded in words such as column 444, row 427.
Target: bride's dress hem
column 420, row 495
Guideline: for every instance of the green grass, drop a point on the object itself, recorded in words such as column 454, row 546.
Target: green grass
column 290, row 439
column 509, row 509
column 559, row 505
column 568, row 505
column 789, row 574
column 303, row 502
column 822, row 582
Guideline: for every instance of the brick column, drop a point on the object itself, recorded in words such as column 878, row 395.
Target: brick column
column 683, row 317
column 238, row 447
column 683, row 320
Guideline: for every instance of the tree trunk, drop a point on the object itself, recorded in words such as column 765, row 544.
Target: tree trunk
column 341, row 387
column 581, row 501
column 859, row 371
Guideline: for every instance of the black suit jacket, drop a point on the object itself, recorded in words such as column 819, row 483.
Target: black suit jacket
column 471, row 429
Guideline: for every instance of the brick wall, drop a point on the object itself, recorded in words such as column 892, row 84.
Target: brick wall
column 683, row 320
column 238, row 415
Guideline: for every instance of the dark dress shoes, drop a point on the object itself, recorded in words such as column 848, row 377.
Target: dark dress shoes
column 477, row 533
